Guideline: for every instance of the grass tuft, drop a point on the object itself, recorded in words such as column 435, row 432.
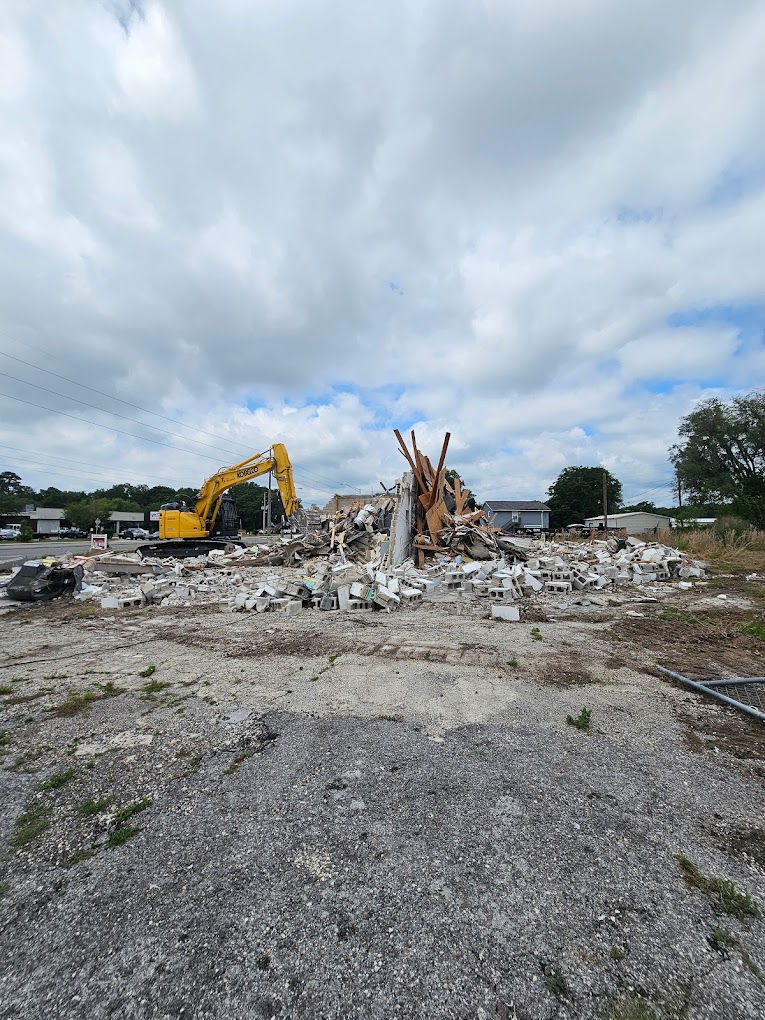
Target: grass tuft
column 120, row 836
column 725, row 897
column 536, row 634
column 148, row 671
column 754, row 629
column 582, row 721
column 238, row 760
column 57, row 780
column 721, row 940
column 80, row 855
column 31, row 823
column 556, row 984
column 94, row 807
column 154, row 686
column 132, row 809
column 632, row 1007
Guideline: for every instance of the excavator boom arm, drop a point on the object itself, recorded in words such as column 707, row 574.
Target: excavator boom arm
column 275, row 460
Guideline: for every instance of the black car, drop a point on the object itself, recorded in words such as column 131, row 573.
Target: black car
column 72, row 533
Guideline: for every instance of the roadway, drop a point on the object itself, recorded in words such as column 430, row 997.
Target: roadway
column 14, row 553
column 17, row 552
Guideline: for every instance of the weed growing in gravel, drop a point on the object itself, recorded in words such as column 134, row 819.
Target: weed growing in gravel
column 55, row 781
column 27, row 762
column 120, row 836
column 80, row 855
column 536, row 634
column 5, row 742
column 618, row 953
column 94, row 807
column 132, row 809
column 76, row 702
column 154, row 686
column 754, row 629
column 4, row 887
column 582, row 721
column 556, row 984
column 513, row 662
column 6, row 689
column 331, row 659
column 721, row 891
column 632, row 1007
column 148, row 671
column 238, row 760
column 721, row 940
column 31, row 823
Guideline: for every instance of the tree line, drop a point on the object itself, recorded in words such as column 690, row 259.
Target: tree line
column 719, row 467
column 718, row 460
column 82, row 509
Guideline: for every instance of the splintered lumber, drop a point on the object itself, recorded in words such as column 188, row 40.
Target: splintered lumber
column 438, row 487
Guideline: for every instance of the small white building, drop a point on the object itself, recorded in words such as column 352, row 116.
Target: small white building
column 46, row 520
column 634, row 522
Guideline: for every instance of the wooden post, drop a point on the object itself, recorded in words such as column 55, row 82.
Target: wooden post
column 605, row 502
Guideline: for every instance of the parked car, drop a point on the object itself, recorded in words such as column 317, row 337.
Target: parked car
column 133, row 533
column 72, row 533
column 10, row 532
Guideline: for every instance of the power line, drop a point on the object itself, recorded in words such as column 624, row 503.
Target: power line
column 116, row 414
column 647, row 492
column 70, row 460
column 143, row 439
column 110, row 396
column 51, row 469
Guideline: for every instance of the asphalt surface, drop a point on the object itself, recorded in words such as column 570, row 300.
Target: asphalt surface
column 354, row 868
column 20, row 551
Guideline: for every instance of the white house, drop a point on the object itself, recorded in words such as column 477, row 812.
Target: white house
column 634, row 522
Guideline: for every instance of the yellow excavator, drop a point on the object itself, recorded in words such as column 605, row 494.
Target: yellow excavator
column 213, row 521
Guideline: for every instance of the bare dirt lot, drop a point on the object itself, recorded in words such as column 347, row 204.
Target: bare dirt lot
column 208, row 814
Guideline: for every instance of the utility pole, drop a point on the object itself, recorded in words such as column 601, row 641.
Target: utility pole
column 605, row 501
column 269, row 500
column 679, row 491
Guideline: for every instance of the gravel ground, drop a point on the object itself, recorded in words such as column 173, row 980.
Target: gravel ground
column 387, row 816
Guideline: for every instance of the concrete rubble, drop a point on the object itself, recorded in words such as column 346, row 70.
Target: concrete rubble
column 579, row 573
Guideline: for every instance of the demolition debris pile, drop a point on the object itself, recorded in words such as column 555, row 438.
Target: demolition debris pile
column 241, row 581
column 342, row 563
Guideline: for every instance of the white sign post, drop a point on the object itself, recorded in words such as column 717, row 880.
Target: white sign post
column 99, row 541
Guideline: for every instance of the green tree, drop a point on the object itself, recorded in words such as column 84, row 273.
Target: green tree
column 14, row 495
column 721, row 454
column 451, row 474
column 577, row 494
column 12, row 485
column 53, row 496
column 84, row 512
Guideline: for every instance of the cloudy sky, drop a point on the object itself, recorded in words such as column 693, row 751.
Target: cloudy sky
column 539, row 226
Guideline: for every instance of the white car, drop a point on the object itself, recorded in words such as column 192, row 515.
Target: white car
column 11, row 531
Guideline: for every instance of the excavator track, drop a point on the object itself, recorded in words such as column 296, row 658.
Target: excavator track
column 186, row 549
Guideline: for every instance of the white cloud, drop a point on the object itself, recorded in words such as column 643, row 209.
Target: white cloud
column 468, row 217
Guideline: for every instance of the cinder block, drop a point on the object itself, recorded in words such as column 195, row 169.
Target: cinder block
column 511, row 614
column 109, row 602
